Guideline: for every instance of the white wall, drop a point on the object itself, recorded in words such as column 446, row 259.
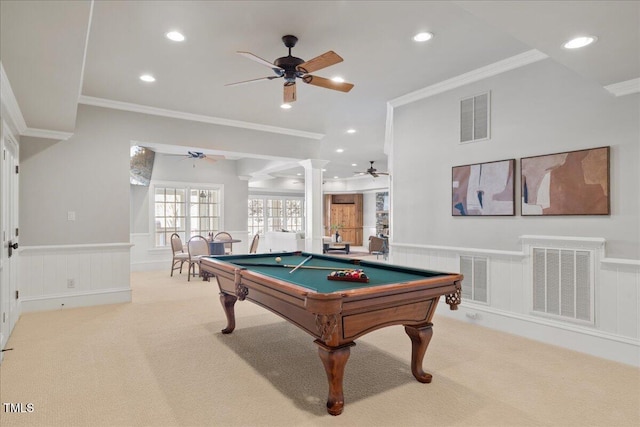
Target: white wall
column 542, row 108
column 144, row 256
column 89, row 174
column 368, row 216
column 222, row 172
column 538, row 109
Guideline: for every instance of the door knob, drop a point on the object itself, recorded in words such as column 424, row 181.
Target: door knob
column 12, row 247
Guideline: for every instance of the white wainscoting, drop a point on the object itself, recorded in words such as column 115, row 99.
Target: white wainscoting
column 146, row 257
column 616, row 332
column 100, row 275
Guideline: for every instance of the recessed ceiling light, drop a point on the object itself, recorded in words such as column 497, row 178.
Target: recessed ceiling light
column 340, row 150
column 354, row 164
column 351, row 131
column 338, row 79
column 422, row 37
column 299, row 174
column 579, row 42
column 175, row 36
column 335, row 177
column 285, row 106
column 147, row 78
column 324, row 170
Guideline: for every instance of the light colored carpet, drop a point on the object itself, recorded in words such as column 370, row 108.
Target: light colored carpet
column 162, row 361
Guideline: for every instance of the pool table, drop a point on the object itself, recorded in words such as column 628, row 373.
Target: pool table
column 336, row 312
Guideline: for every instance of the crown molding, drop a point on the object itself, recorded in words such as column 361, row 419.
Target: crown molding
column 13, row 115
column 10, row 108
column 478, row 74
column 47, row 134
column 624, row 88
column 144, row 109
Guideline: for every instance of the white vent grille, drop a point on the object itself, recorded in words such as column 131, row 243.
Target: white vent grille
column 563, row 283
column 474, row 118
column 474, row 284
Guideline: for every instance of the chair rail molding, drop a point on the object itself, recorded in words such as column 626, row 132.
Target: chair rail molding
column 615, row 334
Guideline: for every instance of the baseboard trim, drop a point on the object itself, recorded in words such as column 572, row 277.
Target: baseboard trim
column 572, row 337
column 81, row 299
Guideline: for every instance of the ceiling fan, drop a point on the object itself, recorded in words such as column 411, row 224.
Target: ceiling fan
column 198, row 155
column 372, row 171
column 291, row 68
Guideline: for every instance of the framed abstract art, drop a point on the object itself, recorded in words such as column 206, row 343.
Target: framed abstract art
column 483, row 189
column 570, row 183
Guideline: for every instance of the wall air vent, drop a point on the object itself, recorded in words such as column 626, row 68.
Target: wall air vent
column 474, row 285
column 474, row 118
column 563, row 283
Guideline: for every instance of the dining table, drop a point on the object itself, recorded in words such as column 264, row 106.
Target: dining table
column 216, row 246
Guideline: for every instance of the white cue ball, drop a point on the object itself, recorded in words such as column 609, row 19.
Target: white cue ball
column 278, row 259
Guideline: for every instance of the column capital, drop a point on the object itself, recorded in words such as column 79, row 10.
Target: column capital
column 313, row 163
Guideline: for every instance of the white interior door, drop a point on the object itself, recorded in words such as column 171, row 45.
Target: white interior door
column 9, row 232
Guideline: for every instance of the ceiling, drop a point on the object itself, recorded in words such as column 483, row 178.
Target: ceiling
column 58, row 53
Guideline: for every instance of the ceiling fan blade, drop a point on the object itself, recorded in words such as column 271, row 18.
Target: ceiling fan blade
column 252, row 80
column 327, row 83
column 319, row 62
column 289, row 93
column 212, row 157
column 259, row 60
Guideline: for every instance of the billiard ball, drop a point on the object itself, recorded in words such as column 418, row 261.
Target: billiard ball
column 278, row 259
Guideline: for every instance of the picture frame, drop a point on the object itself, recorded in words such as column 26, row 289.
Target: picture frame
column 484, row 189
column 568, row 183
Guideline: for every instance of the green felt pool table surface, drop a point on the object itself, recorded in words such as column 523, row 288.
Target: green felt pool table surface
column 316, row 280
column 335, row 313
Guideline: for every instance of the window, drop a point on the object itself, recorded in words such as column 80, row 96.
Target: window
column 294, row 215
column 204, row 212
column 188, row 211
column 256, row 217
column 268, row 213
column 275, row 215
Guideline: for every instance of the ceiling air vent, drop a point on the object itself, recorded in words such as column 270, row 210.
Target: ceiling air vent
column 474, row 118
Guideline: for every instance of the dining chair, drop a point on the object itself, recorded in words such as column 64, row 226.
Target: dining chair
column 254, row 244
column 179, row 255
column 198, row 247
column 223, row 235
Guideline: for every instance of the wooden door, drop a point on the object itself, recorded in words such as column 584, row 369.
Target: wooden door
column 345, row 215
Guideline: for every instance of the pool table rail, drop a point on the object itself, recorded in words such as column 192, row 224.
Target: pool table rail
column 337, row 319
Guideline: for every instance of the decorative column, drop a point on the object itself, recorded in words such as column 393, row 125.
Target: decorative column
column 313, row 203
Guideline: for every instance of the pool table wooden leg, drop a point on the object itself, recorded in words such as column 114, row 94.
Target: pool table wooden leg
column 334, row 360
column 420, row 337
column 228, row 303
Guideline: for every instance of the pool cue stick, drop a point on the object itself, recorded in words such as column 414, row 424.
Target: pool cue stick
column 310, row 267
column 300, row 265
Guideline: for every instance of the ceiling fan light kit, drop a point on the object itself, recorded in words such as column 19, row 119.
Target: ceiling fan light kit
column 291, row 68
column 198, row 155
column 372, row 171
